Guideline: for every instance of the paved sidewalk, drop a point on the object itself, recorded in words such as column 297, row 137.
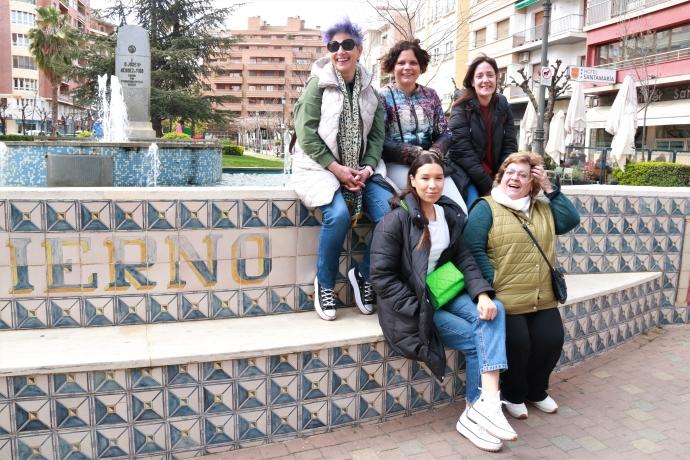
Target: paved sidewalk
column 631, row 403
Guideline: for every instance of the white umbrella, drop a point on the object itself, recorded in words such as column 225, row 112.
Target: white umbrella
column 527, row 126
column 556, row 145
column 575, row 121
column 622, row 121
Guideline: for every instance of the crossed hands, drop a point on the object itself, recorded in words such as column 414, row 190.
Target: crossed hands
column 352, row 179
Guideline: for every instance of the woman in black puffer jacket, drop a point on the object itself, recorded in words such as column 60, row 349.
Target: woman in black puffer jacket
column 422, row 233
column 483, row 131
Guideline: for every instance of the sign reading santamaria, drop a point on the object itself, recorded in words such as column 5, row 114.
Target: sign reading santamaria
column 592, row 74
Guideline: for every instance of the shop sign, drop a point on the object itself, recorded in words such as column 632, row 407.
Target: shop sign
column 592, row 74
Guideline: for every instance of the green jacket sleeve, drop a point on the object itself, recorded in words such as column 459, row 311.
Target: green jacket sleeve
column 375, row 139
column 476, row 236
column 565, row 216
column 307, row 117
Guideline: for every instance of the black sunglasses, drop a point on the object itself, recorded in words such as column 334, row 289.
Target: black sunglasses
column 348, row 45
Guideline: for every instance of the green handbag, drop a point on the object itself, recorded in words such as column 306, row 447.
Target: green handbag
column 444, row 284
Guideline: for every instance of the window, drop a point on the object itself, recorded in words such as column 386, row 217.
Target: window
column 20, row 40
column 23, row 62
column 25, row 84
column 480, row 38
column 663, row 38
column 22, row 17
column 449, row 49
column 503, row 29
column 30, row 2
column 419, row 18
column 680, row 38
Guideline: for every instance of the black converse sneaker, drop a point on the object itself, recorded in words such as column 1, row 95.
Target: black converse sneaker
column 365, row 297
column 324, row 301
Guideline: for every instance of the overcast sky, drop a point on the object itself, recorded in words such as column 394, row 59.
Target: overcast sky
column 315, row 12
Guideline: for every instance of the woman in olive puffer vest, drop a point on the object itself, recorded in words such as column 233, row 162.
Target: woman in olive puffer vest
column 510, row 261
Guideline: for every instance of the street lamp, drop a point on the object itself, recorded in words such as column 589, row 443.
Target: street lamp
column 539, row 132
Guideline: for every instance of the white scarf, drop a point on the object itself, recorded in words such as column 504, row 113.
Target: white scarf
column 520, row 205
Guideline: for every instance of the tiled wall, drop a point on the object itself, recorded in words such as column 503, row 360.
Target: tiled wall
column 180, row 164
column 633, row 230
column 208, row 407
column 120, row 258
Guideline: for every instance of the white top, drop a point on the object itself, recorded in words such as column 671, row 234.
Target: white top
column 440, row 237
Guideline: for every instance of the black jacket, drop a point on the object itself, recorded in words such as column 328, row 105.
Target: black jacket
column 398, row 273
column 469, row 140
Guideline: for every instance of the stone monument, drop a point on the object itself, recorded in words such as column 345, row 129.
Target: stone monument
column 133, row 68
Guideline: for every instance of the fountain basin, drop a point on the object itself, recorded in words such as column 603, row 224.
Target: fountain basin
column 181, row 163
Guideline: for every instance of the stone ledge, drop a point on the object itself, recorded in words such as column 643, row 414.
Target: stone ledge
column 122, row 347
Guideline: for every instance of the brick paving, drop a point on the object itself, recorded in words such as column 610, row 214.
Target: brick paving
column 632, row 402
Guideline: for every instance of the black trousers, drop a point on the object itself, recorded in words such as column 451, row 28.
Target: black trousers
column 533, row 346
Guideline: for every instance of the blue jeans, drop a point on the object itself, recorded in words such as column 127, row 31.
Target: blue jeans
column 472, row 195
column 482, row 342
column 336, row 224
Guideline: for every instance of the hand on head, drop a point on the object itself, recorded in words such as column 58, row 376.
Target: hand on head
column 539, row 175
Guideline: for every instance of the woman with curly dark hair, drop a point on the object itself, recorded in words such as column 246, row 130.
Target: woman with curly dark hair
column 414, row 120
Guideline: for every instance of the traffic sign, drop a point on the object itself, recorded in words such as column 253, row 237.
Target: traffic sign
column 546, row 74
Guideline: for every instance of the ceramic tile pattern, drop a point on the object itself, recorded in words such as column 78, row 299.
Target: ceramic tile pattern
column 111, row 263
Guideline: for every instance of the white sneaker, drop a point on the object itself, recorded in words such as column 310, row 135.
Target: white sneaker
column 477, row 435
column 547, row 405
column 324, row 301
column 518, row 411
column 487, row 411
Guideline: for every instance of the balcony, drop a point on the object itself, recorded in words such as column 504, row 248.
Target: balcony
column 650, row 59
column 565, row 30
column 268, row 66
column 603, row 10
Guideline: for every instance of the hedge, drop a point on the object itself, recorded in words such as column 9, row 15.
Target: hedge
column 656, row 173
column 15, row 137
column 233, row 149
column 176, row 136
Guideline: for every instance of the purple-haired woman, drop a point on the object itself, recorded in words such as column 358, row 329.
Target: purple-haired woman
column 337, row 163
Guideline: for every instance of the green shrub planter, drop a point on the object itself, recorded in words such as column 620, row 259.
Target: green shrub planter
column 15, row 137
column 233, row 149
column 655, row 173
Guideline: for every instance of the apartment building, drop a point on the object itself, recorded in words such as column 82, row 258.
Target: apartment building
column 266, row 72
column 512, row 33
column 442, row 28
column 649, row 40
column 25, row 93
column 378, row 39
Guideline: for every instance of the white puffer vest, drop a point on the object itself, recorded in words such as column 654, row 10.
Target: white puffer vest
column 314, row 184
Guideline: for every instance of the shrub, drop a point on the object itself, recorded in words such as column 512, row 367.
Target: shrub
column 176, row 136
column 84, row 134
column 656, row 173
column 233, row 149
column 15, row 137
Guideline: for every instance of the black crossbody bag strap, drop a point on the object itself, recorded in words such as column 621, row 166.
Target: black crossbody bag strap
column 524, row 226
column 397, row 115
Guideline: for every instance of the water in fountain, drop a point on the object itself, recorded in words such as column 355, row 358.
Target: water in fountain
column 152, row 161
column 113, row 112
column 3, row 164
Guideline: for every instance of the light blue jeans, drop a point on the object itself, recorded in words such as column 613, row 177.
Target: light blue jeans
column 336, row 224
column 482, row 342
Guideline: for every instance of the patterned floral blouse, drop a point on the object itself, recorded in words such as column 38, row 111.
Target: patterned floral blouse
column 421, row 118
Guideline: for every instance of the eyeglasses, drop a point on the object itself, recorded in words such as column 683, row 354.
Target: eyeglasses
column 348, row 45
column 524, row 176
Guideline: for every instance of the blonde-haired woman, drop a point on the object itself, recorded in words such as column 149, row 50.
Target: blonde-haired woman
column 509, row 260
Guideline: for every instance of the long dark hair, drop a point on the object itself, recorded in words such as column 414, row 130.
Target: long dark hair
column 420, row 219
column 468, row 91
